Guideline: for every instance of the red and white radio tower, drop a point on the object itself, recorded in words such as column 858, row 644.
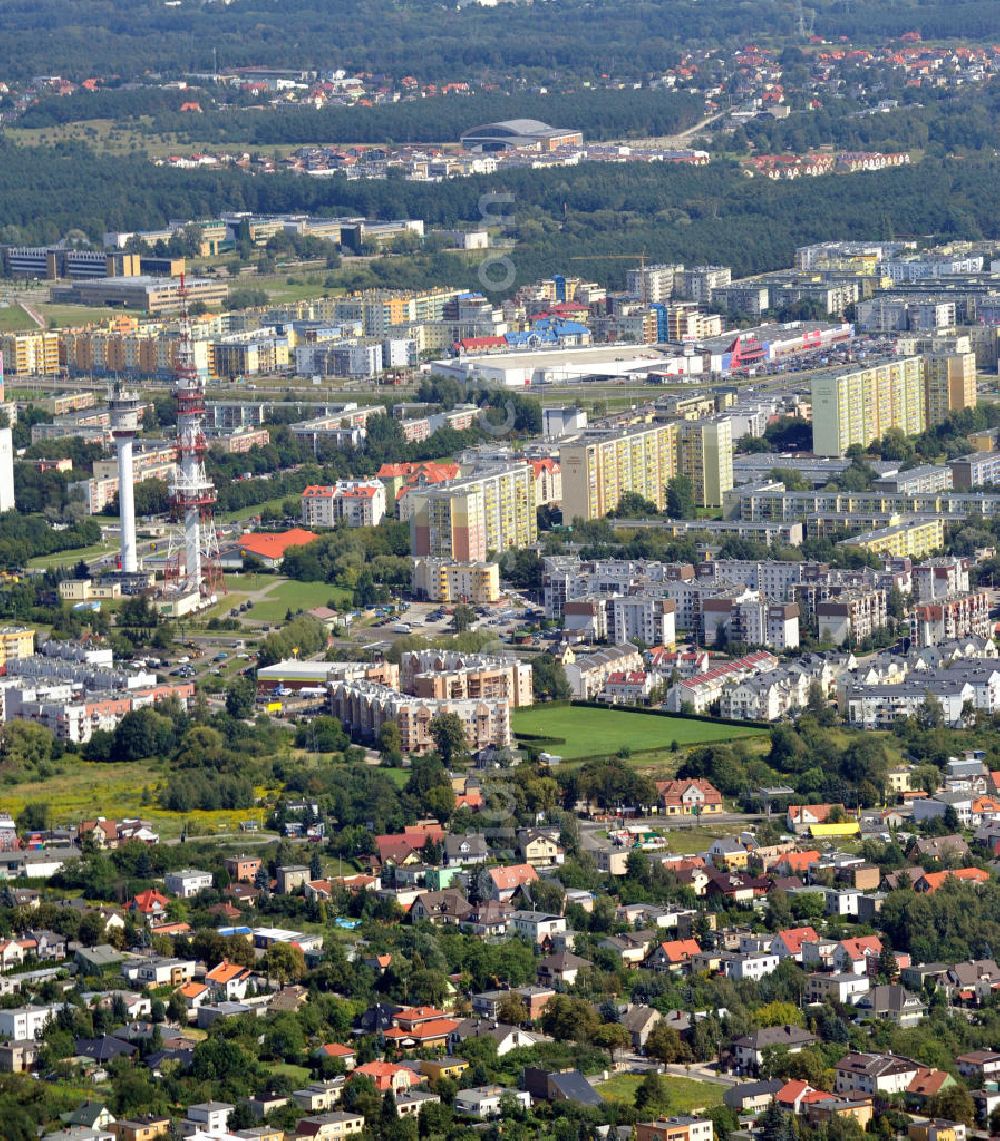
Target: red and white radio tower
column 192, row 493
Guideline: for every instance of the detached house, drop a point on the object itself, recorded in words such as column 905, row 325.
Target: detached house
column 344, row 1054
column 540, row 850
column 673, row 955
column 537, row 926
column 695, row 797
column 787, row 944
column 229, row 980
column 891, row 1004
column 875, row 1074
column 446, row 908
column 466, row 851
column 748, row 1051
column 857, row 955
column 639, row 1022
column 503, row 882
column 388, row 1076
column 728, row 854
column 561, row 969
column 151, row 904
column 102, row 833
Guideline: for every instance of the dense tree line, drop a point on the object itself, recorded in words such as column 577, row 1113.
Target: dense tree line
column 84, row 37
column 932, row 121
column 24, row 537
column 600, row 114
column 343, row 556
column 673, row 213
column 115, row 104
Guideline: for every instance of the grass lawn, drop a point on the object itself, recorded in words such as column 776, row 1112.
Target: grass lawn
column 592, row 732
column 694, row 841
column 13, row 318
column 65, row 316
column 70, row 558
column 686, row 1094
column 297, row 596
column 244, row 513
column 299, row 1074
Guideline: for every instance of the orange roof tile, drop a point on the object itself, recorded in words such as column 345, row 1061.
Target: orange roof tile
column 426, row 1031
column 511, row 877
column 794, row 937
column 680, row 950
column 274, row 545
column 225, row 972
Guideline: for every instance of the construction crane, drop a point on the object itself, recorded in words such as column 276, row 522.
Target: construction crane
column 640, row 258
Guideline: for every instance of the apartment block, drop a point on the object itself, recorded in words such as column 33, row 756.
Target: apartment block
column 599, row 467
column 639, row 617
column 151, row 462
column 770, row 501
column 469, row 518
column 358, row 503
column 651, row 283
column 747, row 298
column 752, row 620
column 706, row 458
column 440, row 580
column 861, row 405
column 364, row 707
column 16, row 642
column 932, row 623
column 248, row 354
column 30, row 354
column 134, row 353
column 940, row 578
column 980, row 469
column 852, row 616
column 451, row 675
column 911, row 538
column 698, row 282
column 920, row 480
column 950, row 379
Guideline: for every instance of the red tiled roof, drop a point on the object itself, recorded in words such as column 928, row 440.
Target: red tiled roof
column 794, row 937
column 799, row 861
column 274, row 545
column 425, row 1032
column 512, row 876
column 680, row 950
column 152, row 900
column 862, row 947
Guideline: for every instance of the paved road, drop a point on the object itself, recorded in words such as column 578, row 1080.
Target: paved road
column 676, row 141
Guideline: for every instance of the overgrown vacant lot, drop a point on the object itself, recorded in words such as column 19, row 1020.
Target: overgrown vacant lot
column 593, row 732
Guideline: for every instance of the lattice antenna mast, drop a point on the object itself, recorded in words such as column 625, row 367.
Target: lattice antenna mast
column 192, row 493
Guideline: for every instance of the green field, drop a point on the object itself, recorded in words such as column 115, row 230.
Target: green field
column 70, row 558
column 686, row 1094
column 81, row 790
column 13, row 319
column 297, row 596
column 593, row 732
column 69, row 316
column 243, row 513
